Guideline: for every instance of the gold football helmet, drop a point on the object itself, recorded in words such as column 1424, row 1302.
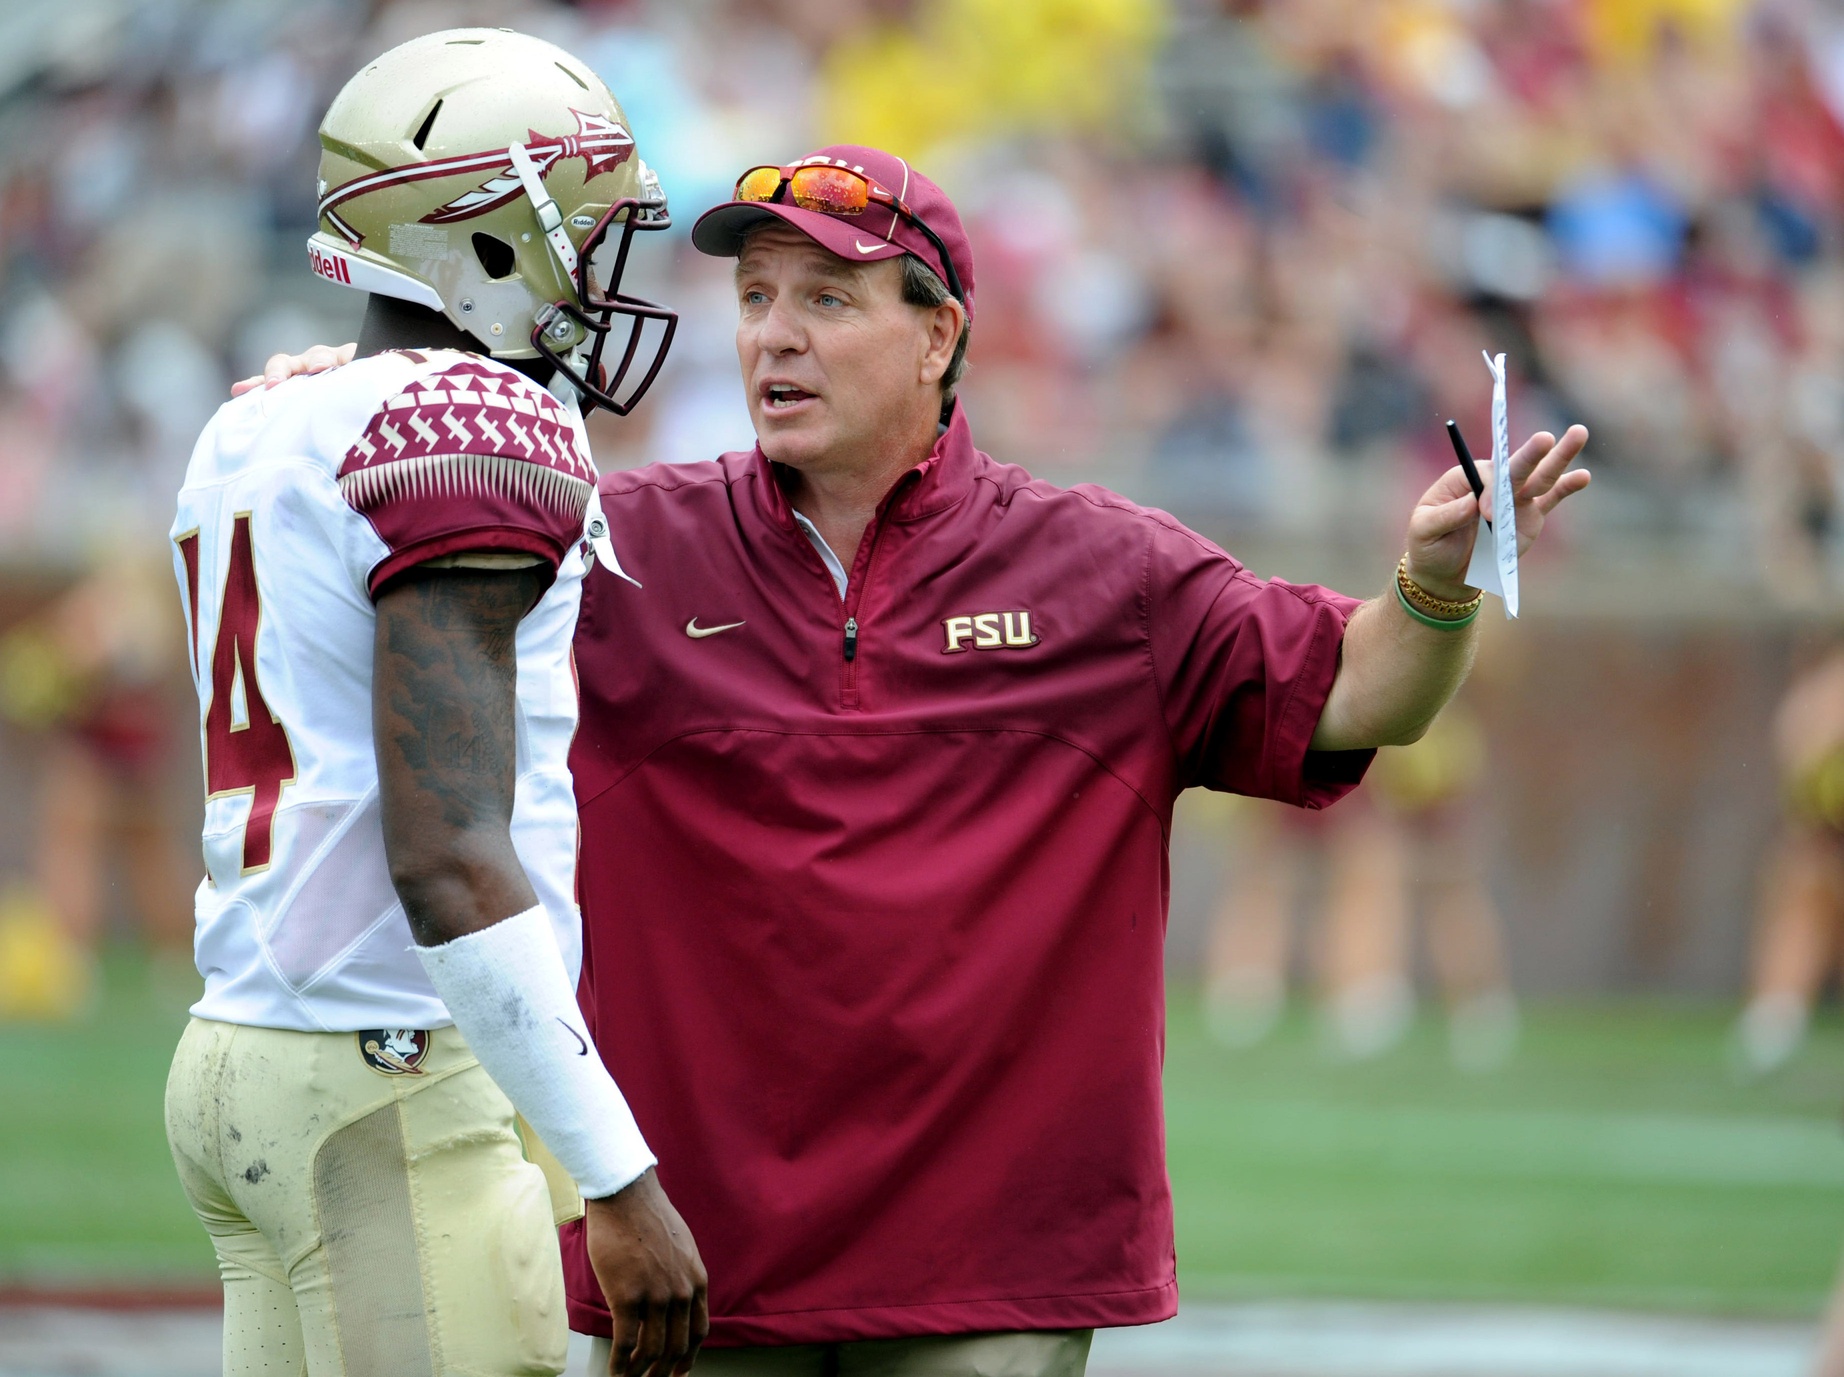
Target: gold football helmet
column 477, row 172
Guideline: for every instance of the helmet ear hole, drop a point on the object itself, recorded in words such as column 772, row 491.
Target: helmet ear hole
column 496, row 256
column 422, row 134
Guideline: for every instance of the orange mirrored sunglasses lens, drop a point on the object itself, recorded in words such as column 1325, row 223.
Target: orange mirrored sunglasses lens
column 759, row 184
column 829, row 189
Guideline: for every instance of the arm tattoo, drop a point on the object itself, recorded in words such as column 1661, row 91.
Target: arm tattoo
column 444, row 701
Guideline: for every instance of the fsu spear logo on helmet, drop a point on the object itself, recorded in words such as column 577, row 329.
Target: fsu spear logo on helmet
column 601, row 143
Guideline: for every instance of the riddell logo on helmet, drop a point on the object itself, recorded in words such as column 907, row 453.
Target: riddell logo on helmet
column 329, row 265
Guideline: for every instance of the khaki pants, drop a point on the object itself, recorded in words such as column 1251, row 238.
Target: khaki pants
column 366, row 1224
column 1051, row 1354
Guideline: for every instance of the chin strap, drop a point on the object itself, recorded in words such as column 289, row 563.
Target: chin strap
column 550, row 219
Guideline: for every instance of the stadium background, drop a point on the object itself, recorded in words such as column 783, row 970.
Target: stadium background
column 1237, row 259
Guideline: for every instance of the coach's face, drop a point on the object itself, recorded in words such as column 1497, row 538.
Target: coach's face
column 841, row 372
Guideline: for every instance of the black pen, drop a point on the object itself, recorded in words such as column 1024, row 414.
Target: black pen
column 1466, row 463
column 1466, row 458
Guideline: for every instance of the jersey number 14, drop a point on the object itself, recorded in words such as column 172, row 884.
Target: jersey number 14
column 249, row 756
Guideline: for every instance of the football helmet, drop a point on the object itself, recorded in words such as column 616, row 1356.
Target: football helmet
column 478, row 172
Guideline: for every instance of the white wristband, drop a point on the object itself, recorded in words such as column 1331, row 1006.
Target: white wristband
column 507, row 991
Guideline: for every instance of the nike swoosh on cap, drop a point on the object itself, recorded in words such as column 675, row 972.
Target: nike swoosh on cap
column 863, row 247
column 698, row 633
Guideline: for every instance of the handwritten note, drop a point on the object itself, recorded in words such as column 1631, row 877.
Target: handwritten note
column 1494, row 563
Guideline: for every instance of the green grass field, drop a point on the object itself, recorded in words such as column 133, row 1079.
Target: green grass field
column 87, row 1190
column 1614, row 1162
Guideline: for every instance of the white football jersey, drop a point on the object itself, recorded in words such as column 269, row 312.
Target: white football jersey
column 299, row 503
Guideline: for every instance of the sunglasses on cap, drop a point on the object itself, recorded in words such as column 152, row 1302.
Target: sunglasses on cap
column 838, row 191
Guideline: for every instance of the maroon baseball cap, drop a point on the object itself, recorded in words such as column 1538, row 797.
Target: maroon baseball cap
column 875, row 234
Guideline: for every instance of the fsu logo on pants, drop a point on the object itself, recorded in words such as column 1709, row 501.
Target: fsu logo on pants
column 394, row 1051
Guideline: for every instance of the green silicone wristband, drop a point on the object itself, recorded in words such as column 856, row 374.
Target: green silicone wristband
column 1439, row 624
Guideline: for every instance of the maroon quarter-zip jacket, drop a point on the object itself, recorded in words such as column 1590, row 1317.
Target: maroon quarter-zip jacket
column 875, row 889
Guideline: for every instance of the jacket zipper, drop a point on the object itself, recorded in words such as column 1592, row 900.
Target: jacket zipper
column 854, row 598
column 848, row 688
column 856, row 578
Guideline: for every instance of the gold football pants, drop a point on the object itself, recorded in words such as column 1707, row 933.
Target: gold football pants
column 366, row 1224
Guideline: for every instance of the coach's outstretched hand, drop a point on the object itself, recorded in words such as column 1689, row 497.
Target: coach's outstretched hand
column 1445, row 521
column 652, row 1277
column 1396, row 673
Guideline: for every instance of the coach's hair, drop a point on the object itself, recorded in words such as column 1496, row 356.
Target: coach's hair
column 923, row 287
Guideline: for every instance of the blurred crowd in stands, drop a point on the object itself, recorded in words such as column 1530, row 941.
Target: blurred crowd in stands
column 1238, row 258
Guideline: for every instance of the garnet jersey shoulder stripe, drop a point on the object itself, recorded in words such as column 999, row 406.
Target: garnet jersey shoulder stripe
column 473, row 407
column 469, row 455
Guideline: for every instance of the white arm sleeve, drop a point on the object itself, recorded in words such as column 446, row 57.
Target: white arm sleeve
column 507, row 991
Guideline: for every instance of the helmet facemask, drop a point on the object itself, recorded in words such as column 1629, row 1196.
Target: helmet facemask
column 595, row 310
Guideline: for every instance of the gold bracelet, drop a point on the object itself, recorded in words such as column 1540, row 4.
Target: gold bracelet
column 1441, row 609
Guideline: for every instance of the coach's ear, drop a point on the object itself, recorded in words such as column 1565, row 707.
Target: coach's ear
column 282, row 367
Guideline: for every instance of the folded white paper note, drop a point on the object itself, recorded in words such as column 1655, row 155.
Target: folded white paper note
column 1494, row 562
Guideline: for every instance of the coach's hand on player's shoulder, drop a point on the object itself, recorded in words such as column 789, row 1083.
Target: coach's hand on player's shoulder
column 282, row 367
column 652, row 1277
column 1446, row 520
